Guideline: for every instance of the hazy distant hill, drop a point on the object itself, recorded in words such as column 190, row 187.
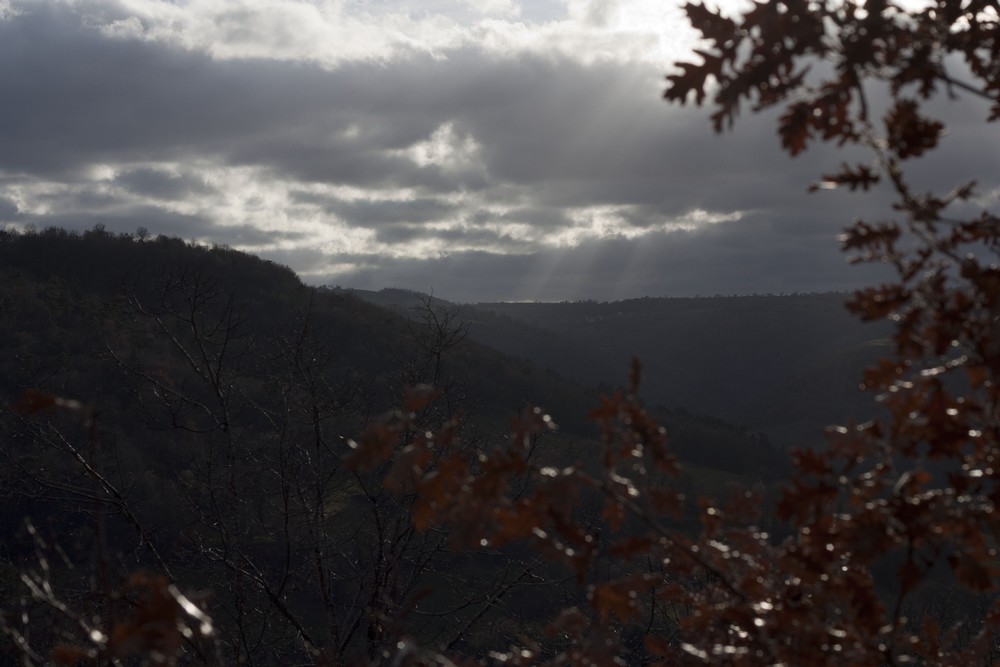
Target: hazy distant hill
column 784, row 365
column 781, row 364
column 519, row 338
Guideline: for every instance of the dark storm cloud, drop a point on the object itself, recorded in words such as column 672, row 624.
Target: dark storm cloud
column 9, row 211
column 533, row 135
column 380, row 212
column 160, row 184
column 78, row 199
column 550, row 218
column 76, row 97
column 248, row 235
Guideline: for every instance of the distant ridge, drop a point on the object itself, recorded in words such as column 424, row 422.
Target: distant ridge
column 787, row 365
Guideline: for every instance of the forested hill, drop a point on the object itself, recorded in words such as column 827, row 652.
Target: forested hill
column 73, row 304
column 205, row 405
column 784, row 365
column 92, row 316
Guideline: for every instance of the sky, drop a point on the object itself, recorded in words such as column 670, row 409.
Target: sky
column 476, row 149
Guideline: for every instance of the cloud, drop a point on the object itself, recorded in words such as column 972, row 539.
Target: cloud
column 8, row 210
column 525, row 143
column 380, row 212
column 161, row 184
column 333, row 33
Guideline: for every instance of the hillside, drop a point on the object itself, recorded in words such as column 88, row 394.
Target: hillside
column 219, row 399
column 67, row 298
column 785, row 366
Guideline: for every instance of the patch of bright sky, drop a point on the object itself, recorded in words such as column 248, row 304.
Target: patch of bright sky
column 7, row 10
column 34, row 198
column 615, row 222
column 330, row 32
column 297, row 30
column 92, row 188
column 518, row 231
column 445, row 149
column 250, row 197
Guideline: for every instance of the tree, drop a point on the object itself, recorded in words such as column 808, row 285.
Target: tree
column 220, row 394
column 317, row 559
column 896, row 507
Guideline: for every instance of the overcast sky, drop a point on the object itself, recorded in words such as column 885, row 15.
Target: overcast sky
column 479, row 149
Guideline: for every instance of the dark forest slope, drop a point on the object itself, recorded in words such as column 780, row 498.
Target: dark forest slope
column 219, row 398
column 79, row 310
column 787, row 366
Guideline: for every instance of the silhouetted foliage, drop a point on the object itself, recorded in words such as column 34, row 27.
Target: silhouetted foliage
column 895, row 507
